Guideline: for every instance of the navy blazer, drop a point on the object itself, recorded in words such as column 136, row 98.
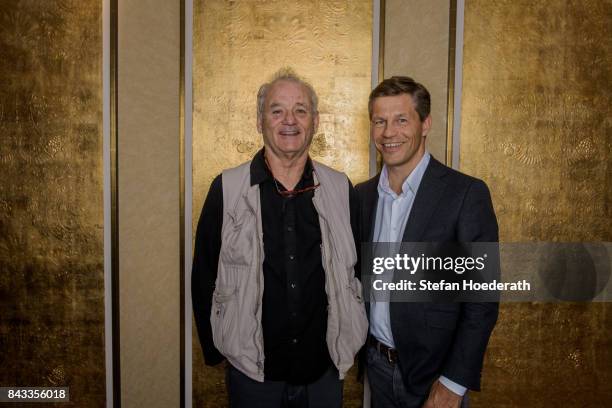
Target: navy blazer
column 434, row 339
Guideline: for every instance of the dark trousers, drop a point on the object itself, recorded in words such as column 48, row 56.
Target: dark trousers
column 244, row 392
column 387, row 386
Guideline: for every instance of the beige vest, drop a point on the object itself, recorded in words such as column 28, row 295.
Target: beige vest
column 236, row 309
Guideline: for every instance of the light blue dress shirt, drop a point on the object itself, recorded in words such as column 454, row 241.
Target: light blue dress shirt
column 392, row 213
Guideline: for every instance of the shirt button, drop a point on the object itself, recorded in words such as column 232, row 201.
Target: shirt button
column 294, row 341
column 291, row 257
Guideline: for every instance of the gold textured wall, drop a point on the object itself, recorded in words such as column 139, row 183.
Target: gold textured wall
column 51, row 186
column 536, row 126
column 237, row 46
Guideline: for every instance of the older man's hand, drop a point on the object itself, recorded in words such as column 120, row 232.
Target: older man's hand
column 442, row 397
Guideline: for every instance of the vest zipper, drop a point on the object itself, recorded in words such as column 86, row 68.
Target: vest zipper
column 258, row 335
column 327, row 263
column 337, row 297
column 260, row 364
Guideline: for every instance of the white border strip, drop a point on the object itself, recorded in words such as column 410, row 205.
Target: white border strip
column 372, row 162
column 458, row 83
column 106, row 158
column 374, row 82
column 188, row 112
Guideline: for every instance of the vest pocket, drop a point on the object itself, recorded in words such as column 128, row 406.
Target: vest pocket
column 239, row 240
column 224, row 319
column 356, row 289
column 353, row 324
column 358, row 313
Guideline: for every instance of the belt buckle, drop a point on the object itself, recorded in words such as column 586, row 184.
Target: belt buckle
column 390, row 356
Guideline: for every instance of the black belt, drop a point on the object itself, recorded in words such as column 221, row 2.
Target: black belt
column 388, row 352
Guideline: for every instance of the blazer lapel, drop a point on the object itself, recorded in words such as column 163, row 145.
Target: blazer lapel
column 426, row 201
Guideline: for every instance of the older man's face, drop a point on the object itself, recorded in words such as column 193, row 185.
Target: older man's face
column 288, row 123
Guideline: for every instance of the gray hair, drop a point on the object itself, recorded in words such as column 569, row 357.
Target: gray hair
column 285, row 74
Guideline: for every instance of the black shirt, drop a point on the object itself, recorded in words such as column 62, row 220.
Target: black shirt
column 294, row 314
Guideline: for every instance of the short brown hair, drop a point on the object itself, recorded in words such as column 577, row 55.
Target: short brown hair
column 398, row 85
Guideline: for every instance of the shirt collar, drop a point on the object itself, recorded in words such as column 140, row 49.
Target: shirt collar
column 411, row 183
column 260, row 171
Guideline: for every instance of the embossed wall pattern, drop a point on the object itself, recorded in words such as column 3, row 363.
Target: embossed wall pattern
column 237, row 46
column 51, row 187
column 536, row 126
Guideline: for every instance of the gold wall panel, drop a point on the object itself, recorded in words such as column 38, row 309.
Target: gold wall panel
column 238, row 45
column 536, row 126
column 51, row 187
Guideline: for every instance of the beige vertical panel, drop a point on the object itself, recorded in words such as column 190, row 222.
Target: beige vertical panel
column 536, row 126
column 51, row 208
column 148, row 129
column 416, row 45
column 237, row 46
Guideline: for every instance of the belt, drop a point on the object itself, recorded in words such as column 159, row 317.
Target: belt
column 388, row 352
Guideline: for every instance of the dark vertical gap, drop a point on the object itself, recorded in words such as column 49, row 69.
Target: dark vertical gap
column 450, row 116
column 114, row 142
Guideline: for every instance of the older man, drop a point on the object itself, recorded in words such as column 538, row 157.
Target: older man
column 420, row 354
column 273, row 284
